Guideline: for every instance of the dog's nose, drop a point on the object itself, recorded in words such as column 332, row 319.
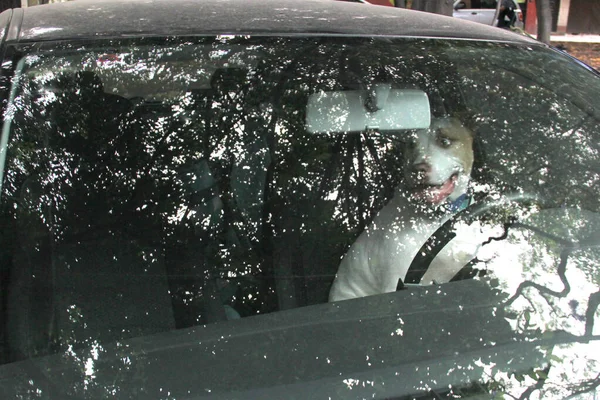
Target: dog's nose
column 420, row 172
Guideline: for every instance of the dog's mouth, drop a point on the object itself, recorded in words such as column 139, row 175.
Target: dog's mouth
column 435, row 194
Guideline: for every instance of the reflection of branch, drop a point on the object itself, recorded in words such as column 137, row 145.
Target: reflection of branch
column 561, row 270
column 553, row 338
column 534, row 309
column 563, row 337
column 540, row 232
column 593, row 303
column 503, row 236
column 591, row 386
column 547, row 302
column 537, row 386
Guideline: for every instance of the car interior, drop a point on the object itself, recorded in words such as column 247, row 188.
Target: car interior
column 94, row 198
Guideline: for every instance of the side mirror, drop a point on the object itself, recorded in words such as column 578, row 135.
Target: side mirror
column 460, row 5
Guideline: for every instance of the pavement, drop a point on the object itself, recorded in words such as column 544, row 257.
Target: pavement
column 584, row 47
column 570, row 38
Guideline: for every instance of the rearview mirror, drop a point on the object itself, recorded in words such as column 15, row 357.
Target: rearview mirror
column 381, row 108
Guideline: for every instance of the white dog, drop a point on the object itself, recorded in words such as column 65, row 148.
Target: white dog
column 437, row 171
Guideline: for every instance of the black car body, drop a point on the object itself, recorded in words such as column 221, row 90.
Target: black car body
column 161, row 192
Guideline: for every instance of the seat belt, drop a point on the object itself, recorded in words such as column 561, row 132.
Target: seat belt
column 432, row 246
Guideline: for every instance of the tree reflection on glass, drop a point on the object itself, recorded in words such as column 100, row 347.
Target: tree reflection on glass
column 160, row 186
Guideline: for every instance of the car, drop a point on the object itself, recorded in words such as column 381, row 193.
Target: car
column 484, row 12
column 225, row 199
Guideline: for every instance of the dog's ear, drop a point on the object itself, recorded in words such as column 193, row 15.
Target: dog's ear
column 480, row 171
column 467, row 119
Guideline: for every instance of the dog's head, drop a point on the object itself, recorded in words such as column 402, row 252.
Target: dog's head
column 439, row 161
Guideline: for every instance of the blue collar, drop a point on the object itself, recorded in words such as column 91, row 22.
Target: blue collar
column 461, row 203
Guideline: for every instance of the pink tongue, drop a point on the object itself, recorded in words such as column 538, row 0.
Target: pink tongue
column 437, row 194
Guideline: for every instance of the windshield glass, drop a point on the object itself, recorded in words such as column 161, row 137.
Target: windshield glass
column 447, row 187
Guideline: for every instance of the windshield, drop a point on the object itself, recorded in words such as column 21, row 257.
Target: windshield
column 424, row 206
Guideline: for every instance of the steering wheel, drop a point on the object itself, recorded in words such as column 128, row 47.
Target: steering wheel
column 445, row 233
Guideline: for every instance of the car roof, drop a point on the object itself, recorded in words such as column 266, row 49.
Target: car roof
column 85, row 19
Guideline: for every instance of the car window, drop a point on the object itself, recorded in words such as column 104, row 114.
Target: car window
column 488, row 4
column 160, row 185
column 485, row 4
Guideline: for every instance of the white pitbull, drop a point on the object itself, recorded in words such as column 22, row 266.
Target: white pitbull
column 439, row 161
